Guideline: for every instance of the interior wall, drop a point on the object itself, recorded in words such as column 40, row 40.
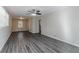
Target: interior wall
column 62, row 25
column 5, row 28
column 15, row 25
column 35, row 24
column 29, row 24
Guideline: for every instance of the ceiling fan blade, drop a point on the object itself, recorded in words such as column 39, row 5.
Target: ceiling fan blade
column 38, row 13
column 35, row 11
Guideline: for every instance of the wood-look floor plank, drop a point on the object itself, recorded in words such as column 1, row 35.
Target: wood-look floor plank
column 25, row 42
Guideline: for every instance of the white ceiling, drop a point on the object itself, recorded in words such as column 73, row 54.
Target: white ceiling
column 23, row 10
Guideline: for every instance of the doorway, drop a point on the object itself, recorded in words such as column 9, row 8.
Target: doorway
column 39, row 26
column 20, row 25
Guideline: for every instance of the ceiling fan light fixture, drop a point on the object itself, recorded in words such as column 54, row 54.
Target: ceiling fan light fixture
column 33, row 14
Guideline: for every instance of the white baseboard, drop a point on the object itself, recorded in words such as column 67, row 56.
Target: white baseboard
column 63, row 40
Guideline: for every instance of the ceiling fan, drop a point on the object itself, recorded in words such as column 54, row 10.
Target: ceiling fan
column 35, row 12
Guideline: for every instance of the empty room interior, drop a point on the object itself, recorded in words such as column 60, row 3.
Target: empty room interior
column 39, row 29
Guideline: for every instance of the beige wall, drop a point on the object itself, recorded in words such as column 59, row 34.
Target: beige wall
column 26, row 24
column 29, row 24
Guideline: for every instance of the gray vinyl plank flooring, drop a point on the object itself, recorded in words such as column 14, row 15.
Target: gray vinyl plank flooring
column 26, row 42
